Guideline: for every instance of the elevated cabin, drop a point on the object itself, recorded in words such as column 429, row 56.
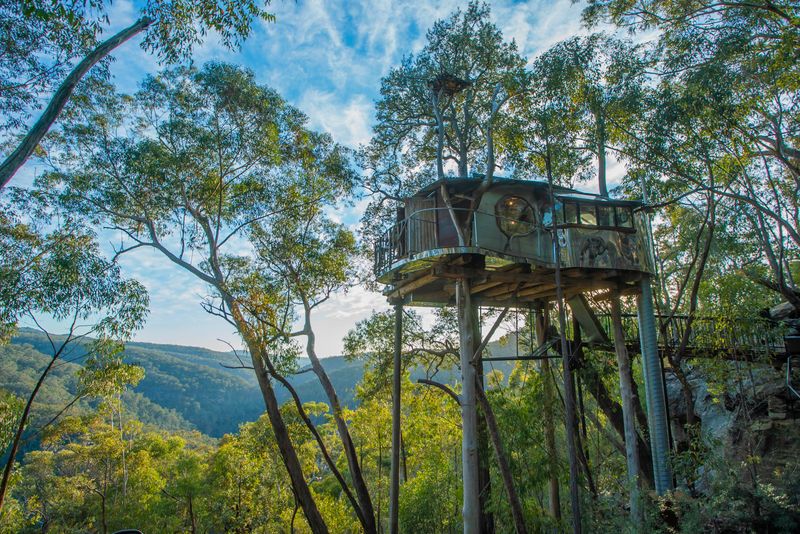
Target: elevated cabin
column 507, row 248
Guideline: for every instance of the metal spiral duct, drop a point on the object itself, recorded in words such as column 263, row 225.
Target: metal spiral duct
column 654, row 390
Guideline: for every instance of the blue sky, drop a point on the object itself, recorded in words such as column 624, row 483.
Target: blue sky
column 327, row 58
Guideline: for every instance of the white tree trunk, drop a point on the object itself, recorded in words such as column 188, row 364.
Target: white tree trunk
column 469, row 414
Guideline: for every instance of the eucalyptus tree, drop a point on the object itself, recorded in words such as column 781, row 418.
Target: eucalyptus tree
column 602, row 78
column 694, row 156
column 447, row 107
column 186, row 167
column 64, row 278
column 547, row 135
column 313, row 258
column 740, row 89
column 434, row 348
column 49, row 47
column 430, row 347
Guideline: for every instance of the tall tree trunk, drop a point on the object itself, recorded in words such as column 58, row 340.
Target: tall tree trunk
column 286, row 448
column 566, row 361
column 502, row 463
column 103, row 513
column 628, row 417
column 288, row 453
column 20, row 155
column 359, row 485
column 613, row 412
column 554, row 502
column 23, row 420
column 583, row 456
column 322, row 448
column 601, row 152
column 394, row 479
column 192, row 521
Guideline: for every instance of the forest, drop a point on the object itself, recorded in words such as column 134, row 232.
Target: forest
column 533, row 407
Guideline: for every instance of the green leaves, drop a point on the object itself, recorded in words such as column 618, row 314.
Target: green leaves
column 58, row 271
column 179, row 25
column 45, row 39
column 104, row 374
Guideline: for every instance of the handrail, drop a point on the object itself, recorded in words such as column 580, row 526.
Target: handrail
column 789, row 376
column 710, row 332
column 389, row 246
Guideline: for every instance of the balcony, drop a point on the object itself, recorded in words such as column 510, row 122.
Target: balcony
column 430, row 233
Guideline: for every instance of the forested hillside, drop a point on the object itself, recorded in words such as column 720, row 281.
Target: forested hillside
column 184, row 388
column 20, row 364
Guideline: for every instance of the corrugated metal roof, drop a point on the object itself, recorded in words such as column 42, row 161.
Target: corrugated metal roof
column 467, row 184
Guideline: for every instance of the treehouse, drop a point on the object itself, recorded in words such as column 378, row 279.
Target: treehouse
column 505, row 243
column 464, row 243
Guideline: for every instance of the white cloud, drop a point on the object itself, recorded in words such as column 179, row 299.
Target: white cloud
column 347, row 120
column 333, row 319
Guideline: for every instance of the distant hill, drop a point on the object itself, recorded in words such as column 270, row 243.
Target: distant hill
column 20, row 364
column 184, row 388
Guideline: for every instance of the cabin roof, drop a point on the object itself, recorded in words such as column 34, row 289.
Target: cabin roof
column 468, row 184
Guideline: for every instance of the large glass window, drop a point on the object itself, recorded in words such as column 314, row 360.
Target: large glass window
column 570, row 213
column 588, row 215
column 515, row 216
column 605, row 215
column 624, row 217
column 600, row 213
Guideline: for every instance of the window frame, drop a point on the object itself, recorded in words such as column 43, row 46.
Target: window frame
column 576, row 207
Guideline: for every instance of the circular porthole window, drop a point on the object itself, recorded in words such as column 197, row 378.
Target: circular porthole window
column 514, row 216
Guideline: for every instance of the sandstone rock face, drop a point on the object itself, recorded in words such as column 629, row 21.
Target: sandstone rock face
column 746, row 411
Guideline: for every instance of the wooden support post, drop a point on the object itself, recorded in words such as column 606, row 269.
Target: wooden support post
column 541, row 322
column 394, row 484
column 484, row 449
column 569, row 394
column 628, row 411
column 469, row 414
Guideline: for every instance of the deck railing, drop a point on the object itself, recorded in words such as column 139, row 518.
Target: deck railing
column 419, row 232
column 753, row 337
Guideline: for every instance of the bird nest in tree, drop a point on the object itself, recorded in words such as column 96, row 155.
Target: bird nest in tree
column 449, row 84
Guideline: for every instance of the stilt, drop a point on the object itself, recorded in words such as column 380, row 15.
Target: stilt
column 628, row 414
column 469, row 414
column 394, row 484
column 569, row 397
column 554, row 502
column 484, row 449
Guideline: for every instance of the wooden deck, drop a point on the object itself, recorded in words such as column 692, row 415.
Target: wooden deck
column 520, row 285
column 515, row 285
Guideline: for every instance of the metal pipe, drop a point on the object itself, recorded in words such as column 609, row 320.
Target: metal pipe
column 394, row 484
column 654, row 390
